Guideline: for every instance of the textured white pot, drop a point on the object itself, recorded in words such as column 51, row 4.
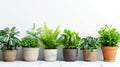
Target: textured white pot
column 30, row 54
column 50, row 54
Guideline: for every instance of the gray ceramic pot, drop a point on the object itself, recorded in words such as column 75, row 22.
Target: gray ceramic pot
column 70, row 54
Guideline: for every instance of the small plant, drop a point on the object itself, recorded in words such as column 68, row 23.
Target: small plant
column 89, row 43
column 109, row 36
column 29, row 42
column 48, row 37
column 69, row 40
column 9, row 39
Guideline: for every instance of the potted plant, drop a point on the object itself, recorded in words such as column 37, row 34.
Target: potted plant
column 49, row 40
column 10, row 42
column 109, row 38
column 69, row 41
column 30, row 45
column 89, row 45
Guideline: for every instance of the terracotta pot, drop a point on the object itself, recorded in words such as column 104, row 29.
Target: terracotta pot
column 50, row 54
column 70, row 54
column 109, row 53
column 90, row 56
column 30, row 54
column 9, row 55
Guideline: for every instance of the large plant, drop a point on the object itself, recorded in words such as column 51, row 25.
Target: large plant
column 89, row 43
column 48, row 37
column 69, row 39
column 109, row 36
column 9, row 39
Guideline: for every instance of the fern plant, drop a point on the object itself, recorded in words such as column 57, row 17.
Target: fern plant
column 48, row 37
column 69, row 39
column 89, row 43
column 109, row 36
column 9, row 38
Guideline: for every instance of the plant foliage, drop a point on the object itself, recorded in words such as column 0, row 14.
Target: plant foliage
column 9, row 39
column 109, row 36
column 89, row 43
column 29, row 42
column 69, row 40
column 48, row 37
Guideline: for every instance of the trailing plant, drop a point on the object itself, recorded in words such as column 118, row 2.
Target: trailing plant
column 48, row 37
column 9, row 39
column 29, row 42
column 89, row 43
column 109, row 36
column 69, row 39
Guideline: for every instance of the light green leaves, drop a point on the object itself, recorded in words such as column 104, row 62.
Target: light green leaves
column 29, row 41
column 69, row 39
column 109, row 36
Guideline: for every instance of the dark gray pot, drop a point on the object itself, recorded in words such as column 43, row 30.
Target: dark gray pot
column 70, row 54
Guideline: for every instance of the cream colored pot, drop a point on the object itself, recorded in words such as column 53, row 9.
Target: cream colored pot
column 30, row 54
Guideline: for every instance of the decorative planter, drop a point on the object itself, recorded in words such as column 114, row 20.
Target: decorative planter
column 50, row 54
column 70, row 54
column 90, row 56
column 109, row 53
column 9, row 55
column 30, row 54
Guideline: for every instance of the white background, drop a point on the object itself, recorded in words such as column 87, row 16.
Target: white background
column 83, row 16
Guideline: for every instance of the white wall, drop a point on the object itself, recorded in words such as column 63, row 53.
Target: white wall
column 83, row 16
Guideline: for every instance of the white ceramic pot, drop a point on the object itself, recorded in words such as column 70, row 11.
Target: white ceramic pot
column 50, row 54
column 30, row 54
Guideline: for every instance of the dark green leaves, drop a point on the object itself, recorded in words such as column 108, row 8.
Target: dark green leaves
column 69, row 39
column 89, row 43
column 9, row 39
column 109, row 36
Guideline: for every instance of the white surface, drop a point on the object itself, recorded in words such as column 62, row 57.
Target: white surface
column 83, row 16
column 59, row 64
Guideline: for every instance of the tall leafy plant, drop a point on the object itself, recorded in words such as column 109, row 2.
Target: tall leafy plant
column 89, row 43
column 109, row 36
column 9, row 38
column 69, row 39
column 48, row 37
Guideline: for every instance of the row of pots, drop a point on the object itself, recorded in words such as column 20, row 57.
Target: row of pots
column 31, row 54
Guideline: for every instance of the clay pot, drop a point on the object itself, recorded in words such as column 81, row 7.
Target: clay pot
column 70, row 54
column 109, row 53
column 30, row 54
column 9, row 55
column 50, row 54
column 90, row 56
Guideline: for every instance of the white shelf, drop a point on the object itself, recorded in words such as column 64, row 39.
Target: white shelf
column 59, row 64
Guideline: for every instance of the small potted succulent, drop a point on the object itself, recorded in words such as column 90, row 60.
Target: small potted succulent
column 10, row 41
column 49, row 40
column 70, row 41
column 30, row 46
column 109, row 39
column 89, row 45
